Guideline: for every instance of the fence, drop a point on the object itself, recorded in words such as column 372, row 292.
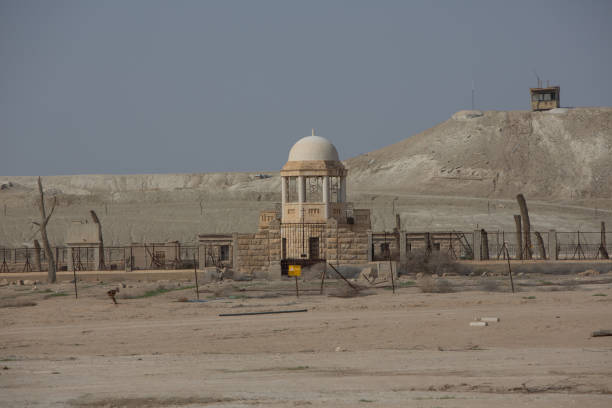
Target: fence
column 553, row 245
column 134, row 257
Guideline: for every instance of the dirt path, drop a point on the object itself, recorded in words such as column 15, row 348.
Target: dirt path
column 383, row 350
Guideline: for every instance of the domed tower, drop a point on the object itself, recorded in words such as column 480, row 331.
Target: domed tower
column 313, row 183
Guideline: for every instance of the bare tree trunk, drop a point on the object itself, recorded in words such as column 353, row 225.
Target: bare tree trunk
column 37, row 263
column 603, row 251
column 484, row 241
column 540, row 243
column 44, row 220
column 96, row 220
column 526, row 225
column 519, row 236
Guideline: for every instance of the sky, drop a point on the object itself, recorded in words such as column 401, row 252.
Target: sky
column 147, row 86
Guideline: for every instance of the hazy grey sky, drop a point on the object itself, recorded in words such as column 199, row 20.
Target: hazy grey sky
column 134, row 86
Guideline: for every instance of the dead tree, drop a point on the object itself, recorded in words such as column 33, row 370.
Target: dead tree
column 540, row 244
column 526, row 225
column 519, row 236
column 603, row 251
column 484, row 241
column 37, row 249
column 96, row 220
column 44, row 220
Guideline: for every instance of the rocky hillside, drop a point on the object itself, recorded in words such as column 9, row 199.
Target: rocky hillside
column 559, row 154
column 460, row 174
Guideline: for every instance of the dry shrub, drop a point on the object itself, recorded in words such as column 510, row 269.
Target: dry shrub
column 566, row 268
column 225, row 290
column 438, row 262
column 16, row 303
column 490, row 285
column 345, row 291
column 429, row 285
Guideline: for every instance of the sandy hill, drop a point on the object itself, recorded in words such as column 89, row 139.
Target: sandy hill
column 460, row 174
column 559, row 154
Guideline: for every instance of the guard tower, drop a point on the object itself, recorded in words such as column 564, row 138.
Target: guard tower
column 545, row 98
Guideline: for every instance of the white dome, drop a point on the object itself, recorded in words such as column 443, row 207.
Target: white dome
column 313, row 148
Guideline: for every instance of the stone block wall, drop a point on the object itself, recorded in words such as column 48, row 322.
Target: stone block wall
column 346, row 243
column 256, row 252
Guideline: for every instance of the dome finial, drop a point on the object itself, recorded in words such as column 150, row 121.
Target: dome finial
column 313, row 131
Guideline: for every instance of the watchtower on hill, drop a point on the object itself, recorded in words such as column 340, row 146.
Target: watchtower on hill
column 545, row 98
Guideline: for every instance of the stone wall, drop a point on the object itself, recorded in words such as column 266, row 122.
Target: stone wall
column 256, row 252
column 346, row 243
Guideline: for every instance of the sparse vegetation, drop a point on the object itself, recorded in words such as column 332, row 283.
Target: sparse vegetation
column 490, row 285
column 161, row 289
column 430, row 285
column 436, row 263
column 56, row 294
column 16, row 303
column 600, row 294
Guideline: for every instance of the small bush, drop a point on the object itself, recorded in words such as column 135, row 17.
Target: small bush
column 429, row 285
column 17, row 303
column 438, row 262
column 490, row 285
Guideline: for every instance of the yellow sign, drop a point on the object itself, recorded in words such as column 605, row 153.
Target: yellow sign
column 295, row 270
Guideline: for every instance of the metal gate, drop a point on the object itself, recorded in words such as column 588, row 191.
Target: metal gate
column 302, row 244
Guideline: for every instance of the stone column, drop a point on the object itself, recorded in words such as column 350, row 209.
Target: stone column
column 284, row 190
column 235, row 251
column 552, row 245
column 201, row 256
column 402, row 250
column 326, row 196
column 477, row 245
column 343, row 189
column 96, row 252
column 301, row 189
column 70, row 258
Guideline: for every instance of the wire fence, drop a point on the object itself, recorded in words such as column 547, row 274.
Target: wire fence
column 576, row 245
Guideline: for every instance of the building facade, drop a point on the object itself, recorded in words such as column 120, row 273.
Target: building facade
column 313, row 224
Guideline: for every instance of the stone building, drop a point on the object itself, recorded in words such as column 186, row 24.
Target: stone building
column 313, row 223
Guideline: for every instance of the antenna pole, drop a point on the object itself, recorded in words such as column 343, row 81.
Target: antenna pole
column 473, row 92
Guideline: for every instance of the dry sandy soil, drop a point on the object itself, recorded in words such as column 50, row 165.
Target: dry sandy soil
column 408, row 349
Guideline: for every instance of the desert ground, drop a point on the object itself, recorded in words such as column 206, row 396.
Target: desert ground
column 413, row 348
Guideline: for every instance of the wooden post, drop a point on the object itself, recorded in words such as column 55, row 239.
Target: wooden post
column 37, row 250
column 76, row 294
column 484, row 242
column 195, row 272
column 540, row 243
column 519, row 236
column 603, row 251
column 44, row 220
column 96, row 220
column 526, row 225
column 509, row 269
column 323, row 277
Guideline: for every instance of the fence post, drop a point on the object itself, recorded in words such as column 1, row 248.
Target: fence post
column 552, row 245
column 70, row 258
column 477, row 245
column 370, row 254
column 235, row 265
column 96, row 258
column 402, row 250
